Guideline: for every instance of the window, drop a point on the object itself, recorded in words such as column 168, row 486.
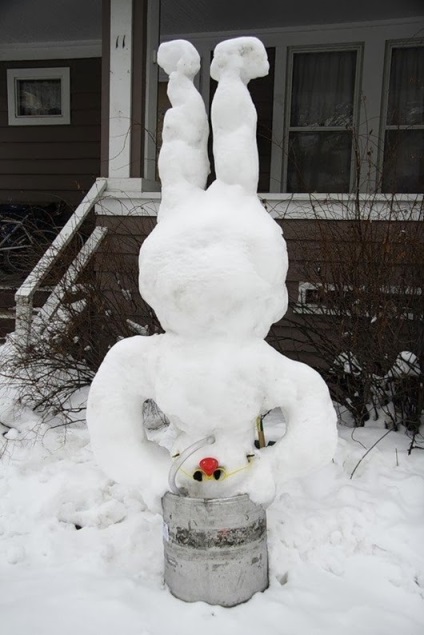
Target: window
column 403, row 160
column 38, row 96
column 329, row 299
column 322, row 113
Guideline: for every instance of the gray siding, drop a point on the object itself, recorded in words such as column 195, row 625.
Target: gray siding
column 116, row 265
column 45, row 164
column 311, row 247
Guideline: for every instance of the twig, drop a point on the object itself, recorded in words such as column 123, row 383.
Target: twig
column 414, row 447
column 357, row 440
column 368, row 451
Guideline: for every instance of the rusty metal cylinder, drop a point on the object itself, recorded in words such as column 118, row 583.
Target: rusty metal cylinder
column 215, row 549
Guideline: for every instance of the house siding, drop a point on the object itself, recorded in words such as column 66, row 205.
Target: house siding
column 53, row 164
column 116, row 266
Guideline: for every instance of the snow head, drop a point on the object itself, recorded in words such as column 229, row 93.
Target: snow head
column 216, row 262
column 214, row 271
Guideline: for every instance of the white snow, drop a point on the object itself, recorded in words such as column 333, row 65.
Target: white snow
column 406, row 364
column 346, row 555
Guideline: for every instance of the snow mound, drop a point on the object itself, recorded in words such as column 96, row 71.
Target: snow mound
column 346, row 555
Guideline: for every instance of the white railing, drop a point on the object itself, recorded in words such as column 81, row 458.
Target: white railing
column 25, row 321
column 122, row 200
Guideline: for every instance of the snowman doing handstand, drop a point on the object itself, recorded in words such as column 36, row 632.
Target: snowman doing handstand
column 213, row 269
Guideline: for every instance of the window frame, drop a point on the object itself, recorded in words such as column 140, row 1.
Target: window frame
column 305, row 307
column 14, row 75
column 358, row 47
column 384, row 127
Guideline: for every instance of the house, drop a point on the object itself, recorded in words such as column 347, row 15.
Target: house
column 49, row 156
column 340, row 120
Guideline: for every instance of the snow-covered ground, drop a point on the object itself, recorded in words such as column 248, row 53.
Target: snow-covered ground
column 80, row 554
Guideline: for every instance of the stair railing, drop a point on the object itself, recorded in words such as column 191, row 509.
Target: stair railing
column 26, row 323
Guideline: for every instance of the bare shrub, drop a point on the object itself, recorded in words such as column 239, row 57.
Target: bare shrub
column 363, row 303
column 65, row 350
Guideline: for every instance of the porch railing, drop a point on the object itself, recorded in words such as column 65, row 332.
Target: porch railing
column 28, row 324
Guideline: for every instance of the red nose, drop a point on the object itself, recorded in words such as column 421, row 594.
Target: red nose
column 208, row 465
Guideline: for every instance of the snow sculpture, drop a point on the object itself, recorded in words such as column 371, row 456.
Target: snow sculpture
column 214, row 271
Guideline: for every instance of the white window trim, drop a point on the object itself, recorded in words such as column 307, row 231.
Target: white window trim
column 16, row 74
column 71, row 49
column 303, row 306
column 151, row 98
column 310, row 308
column 384, row 127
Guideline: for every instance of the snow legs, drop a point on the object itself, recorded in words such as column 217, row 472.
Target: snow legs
column 183, row 161
column 233, row 114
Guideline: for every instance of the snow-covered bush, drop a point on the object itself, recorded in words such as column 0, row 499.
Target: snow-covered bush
column 396, row 398
column 404, row 387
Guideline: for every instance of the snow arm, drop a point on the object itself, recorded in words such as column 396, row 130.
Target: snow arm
column 115, row 420
column 311, row 437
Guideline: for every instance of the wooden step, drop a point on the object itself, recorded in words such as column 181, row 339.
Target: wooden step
column 7, row 296
column 7, row 323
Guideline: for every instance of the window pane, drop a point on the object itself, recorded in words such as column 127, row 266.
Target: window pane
column 406, row 88
column 38, row 97
column 403, row 168
column 319, row 161
column 323, row 88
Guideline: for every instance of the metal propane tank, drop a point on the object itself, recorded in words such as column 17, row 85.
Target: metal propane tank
column 215, row 549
